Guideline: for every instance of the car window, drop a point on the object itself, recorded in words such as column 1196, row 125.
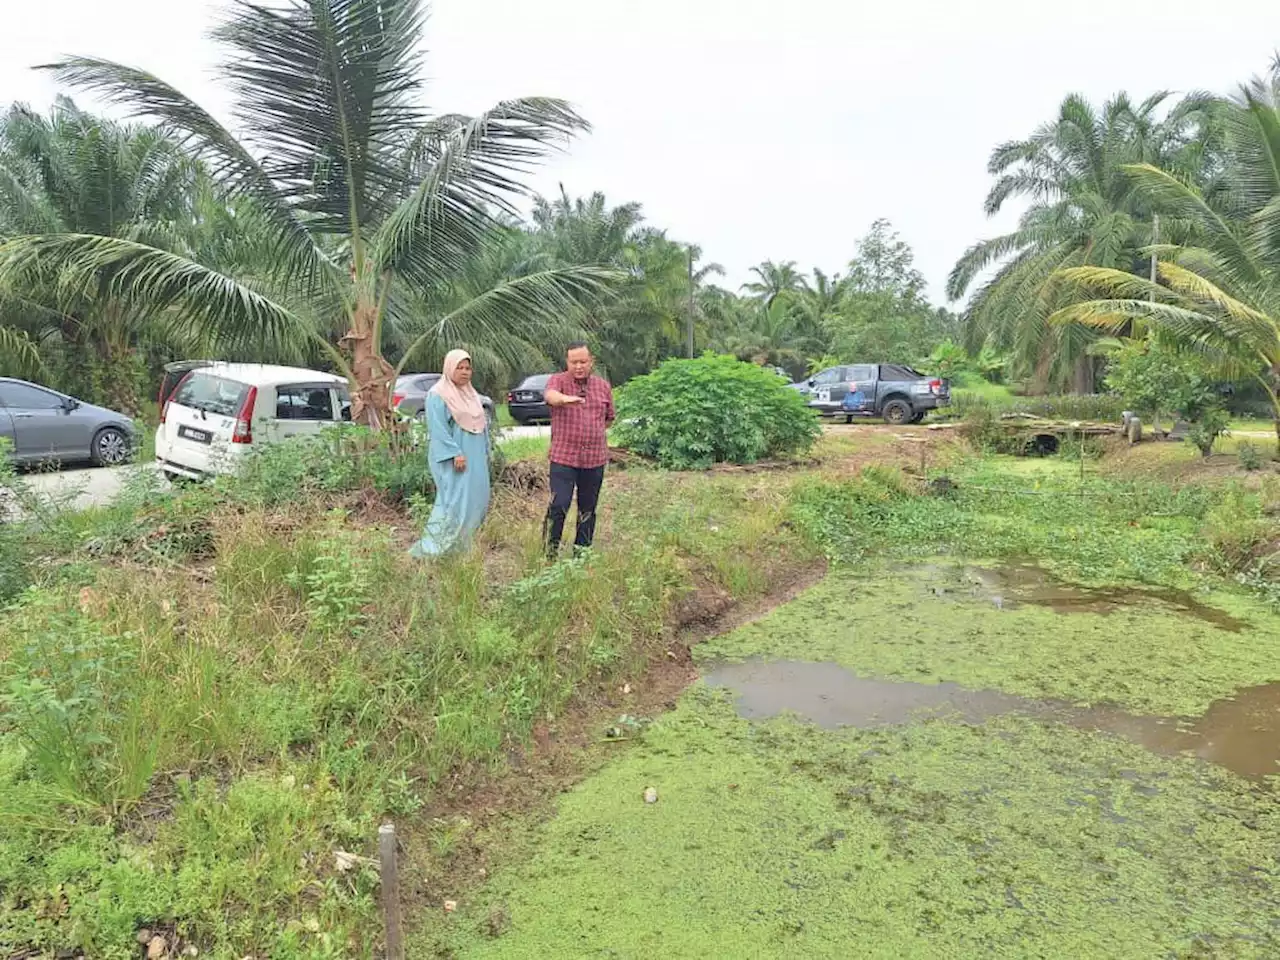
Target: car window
column 344, row 403
column 21, row 396
column 536, row 382
column 830, row 375
column 300, row 402
column 859, row 373
column 203, row 391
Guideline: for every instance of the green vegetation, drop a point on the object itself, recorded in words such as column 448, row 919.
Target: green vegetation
column 689, row 414
column 205, row 694
column 1008, row 837
column 924, row 623
column 1011, row 839
column 1083, row 210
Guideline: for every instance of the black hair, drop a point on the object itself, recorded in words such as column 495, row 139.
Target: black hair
column 577, row 345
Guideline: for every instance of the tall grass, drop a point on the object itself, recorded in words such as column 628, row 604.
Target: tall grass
column 206, row 693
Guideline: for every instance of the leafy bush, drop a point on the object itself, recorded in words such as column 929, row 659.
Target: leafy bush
column 689, row 414
column 1250, row 456
column 13, row 576
column 348, row 458
column 1208, row 426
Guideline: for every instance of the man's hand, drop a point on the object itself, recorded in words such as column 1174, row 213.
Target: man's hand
column 460, row 463
column 555, row 398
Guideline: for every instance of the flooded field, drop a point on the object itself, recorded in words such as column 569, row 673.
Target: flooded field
column 1240, row 732
column 935, row 760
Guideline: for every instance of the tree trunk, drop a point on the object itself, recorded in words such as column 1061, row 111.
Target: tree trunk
column 1082, row 377
column 371, row 399
column 1274, row 390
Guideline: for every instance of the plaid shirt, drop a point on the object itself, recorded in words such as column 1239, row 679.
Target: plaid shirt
column 578, row 429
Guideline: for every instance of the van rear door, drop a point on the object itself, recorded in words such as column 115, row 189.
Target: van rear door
column 200, row 419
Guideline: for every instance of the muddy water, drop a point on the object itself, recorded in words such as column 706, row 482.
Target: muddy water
column 1009, row 586
column 1241, row 733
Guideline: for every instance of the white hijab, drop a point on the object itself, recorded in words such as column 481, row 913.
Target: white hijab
column 463, row 402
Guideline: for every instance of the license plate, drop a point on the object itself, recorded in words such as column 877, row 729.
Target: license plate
column 524, row 397
column 191, row 433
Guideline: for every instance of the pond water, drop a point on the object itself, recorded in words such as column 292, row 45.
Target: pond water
column 1009, row 586
column 1241, row 733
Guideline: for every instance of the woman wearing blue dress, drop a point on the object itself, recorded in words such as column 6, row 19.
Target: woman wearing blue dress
column 458, row 455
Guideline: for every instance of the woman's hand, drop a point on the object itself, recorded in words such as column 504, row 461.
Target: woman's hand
column 460, row 463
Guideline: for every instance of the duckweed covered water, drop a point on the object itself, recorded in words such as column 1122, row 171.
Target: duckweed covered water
column 1013, row 838
column 1045, row 804
column 1024, row 633
column 1241, row 732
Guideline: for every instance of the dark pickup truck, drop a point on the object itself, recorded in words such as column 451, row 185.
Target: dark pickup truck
column 894, row 392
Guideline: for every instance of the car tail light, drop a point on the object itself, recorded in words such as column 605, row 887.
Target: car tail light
column 164, row 412
column 511, row 397
column 397, row 399
column 935, row 386
column 243, row 432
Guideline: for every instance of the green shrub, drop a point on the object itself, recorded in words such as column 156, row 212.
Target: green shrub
column 1207, row 428
column 344, row 459
column 1250, row 456
column 13, row 572
column 689, row 414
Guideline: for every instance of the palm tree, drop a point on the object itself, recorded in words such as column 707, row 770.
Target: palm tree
column 73, row 173
column 773, row 280
column 647, row 321
column 364, row 200
column 1220, row 291
column 1083, row 212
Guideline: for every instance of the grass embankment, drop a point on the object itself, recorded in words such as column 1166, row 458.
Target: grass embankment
column 1014, row 837
column 208, row 694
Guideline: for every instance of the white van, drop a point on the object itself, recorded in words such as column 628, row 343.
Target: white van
column 220, row 412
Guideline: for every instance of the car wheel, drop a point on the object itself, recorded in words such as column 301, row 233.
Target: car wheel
column 897, row 413
column 111, row 447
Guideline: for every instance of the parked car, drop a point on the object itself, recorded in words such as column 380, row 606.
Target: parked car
column 220, row 412
column 410, row 396
column 527, row 402
column 892, row 391
column 45, row 426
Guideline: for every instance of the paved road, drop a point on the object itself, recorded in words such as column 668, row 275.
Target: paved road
column 93, row 487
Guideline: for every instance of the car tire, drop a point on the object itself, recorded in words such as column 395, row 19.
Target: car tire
column 111, row 447
column 897, row 413
column 918, row 418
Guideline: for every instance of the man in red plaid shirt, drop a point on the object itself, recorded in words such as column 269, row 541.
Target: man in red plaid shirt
column 581, row 412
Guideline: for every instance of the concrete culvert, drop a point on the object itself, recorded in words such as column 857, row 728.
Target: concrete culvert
column 1042, row 445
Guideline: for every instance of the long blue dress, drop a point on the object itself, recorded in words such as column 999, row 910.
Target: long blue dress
column 462, row 499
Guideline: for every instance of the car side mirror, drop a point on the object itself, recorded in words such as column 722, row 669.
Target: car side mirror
column 812, row 381
column 70, row 403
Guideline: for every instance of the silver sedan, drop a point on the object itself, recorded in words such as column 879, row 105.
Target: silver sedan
column 44, row 426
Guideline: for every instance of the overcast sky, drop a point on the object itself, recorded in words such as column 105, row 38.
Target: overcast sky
column 759, row 129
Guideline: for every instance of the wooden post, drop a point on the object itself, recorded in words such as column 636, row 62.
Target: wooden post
column 390, row 890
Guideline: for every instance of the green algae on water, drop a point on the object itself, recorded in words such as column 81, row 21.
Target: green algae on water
column 1014, row 838
column 923, row 624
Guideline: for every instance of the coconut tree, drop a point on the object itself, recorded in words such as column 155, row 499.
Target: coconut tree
column 361, row 196
column 1082, row 211
column 774, row 280
column 1218, row 292
column 68, row 173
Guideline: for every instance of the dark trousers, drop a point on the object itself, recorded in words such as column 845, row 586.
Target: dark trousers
column 587, row 481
